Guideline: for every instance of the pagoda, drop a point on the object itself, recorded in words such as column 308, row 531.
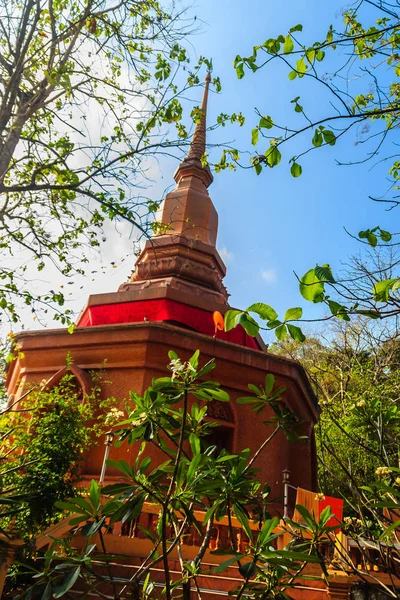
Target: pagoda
column 168, row 303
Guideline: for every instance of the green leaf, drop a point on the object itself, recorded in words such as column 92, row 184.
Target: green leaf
column 390, row 529
column 250, row 326
column 274, row 323
column 305, row 514
column 253, row 388
column 311, row 288
column 329, row 137
column 195, row 443
column 396, row 285
column 296, row 169
column 324, row 273
column 92, row 527
column 211, row 511
column 70, row 507
column 293, row 314
column 206, row 369
column 264, row 311
column 77, row 520
column 269, row 383
column 292, row 75
column 247, row 400
column 194, row 360
column 267, row 529
column 243, row 520
column 311, row 55
column 317, row 139
column 298, row 27
column 288, row 45
column 71, row 328
column 67, row 582
column 385, row 236
column 266, row 122
column 218, row 394
column 338, row 310
column 193, row 467
column 254, row 136
column 228, row 563
column 94, row 494
column 231, row 319
column 224, row 459
column 372, row 239
column 301, row 67
column 46, row 593
column 248, row 570
column 258, row 167
column 273, row 156
column 325, row 515
column 382, row 289
column 240, row 71
column 296, row 333
column 298, row 108
column 281, row 332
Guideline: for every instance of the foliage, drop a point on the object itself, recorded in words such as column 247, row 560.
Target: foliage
column 370, row 38
column 356, row 373
column 194, row 476
column 44, row 439
column 266, row 313
column 89, row 93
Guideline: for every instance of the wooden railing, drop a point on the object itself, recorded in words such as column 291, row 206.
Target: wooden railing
column 220, row 535
column 367, row 559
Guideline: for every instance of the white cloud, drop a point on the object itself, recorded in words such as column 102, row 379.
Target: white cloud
column 268, row 275
column 225, row 254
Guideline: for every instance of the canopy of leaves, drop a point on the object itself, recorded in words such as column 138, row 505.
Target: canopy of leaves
column 89, row 93
column 355, row 369
column 43, row 438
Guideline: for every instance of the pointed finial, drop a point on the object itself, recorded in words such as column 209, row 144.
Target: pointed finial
column 198, row 145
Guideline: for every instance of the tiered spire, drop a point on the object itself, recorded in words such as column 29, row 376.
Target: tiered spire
column 185, row 256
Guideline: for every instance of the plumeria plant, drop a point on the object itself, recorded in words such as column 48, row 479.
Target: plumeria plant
column 193, row 476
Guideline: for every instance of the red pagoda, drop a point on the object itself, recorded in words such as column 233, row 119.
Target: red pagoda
column 168, row 303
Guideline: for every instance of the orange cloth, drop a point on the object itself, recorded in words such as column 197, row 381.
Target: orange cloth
column 306, row 499
column 310, row 501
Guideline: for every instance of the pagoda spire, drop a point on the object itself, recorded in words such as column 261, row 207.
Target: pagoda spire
column 184, row 257
column 198, row 145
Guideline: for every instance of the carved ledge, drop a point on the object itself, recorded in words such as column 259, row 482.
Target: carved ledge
column 188, row 287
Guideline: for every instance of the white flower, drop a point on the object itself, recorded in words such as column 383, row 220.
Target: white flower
column 176, row 365
column 113, row 416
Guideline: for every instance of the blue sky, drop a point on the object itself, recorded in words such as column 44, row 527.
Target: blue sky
column 273, row 224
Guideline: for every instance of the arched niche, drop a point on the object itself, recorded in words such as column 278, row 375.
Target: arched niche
column 83, row 380
column 222, row 436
